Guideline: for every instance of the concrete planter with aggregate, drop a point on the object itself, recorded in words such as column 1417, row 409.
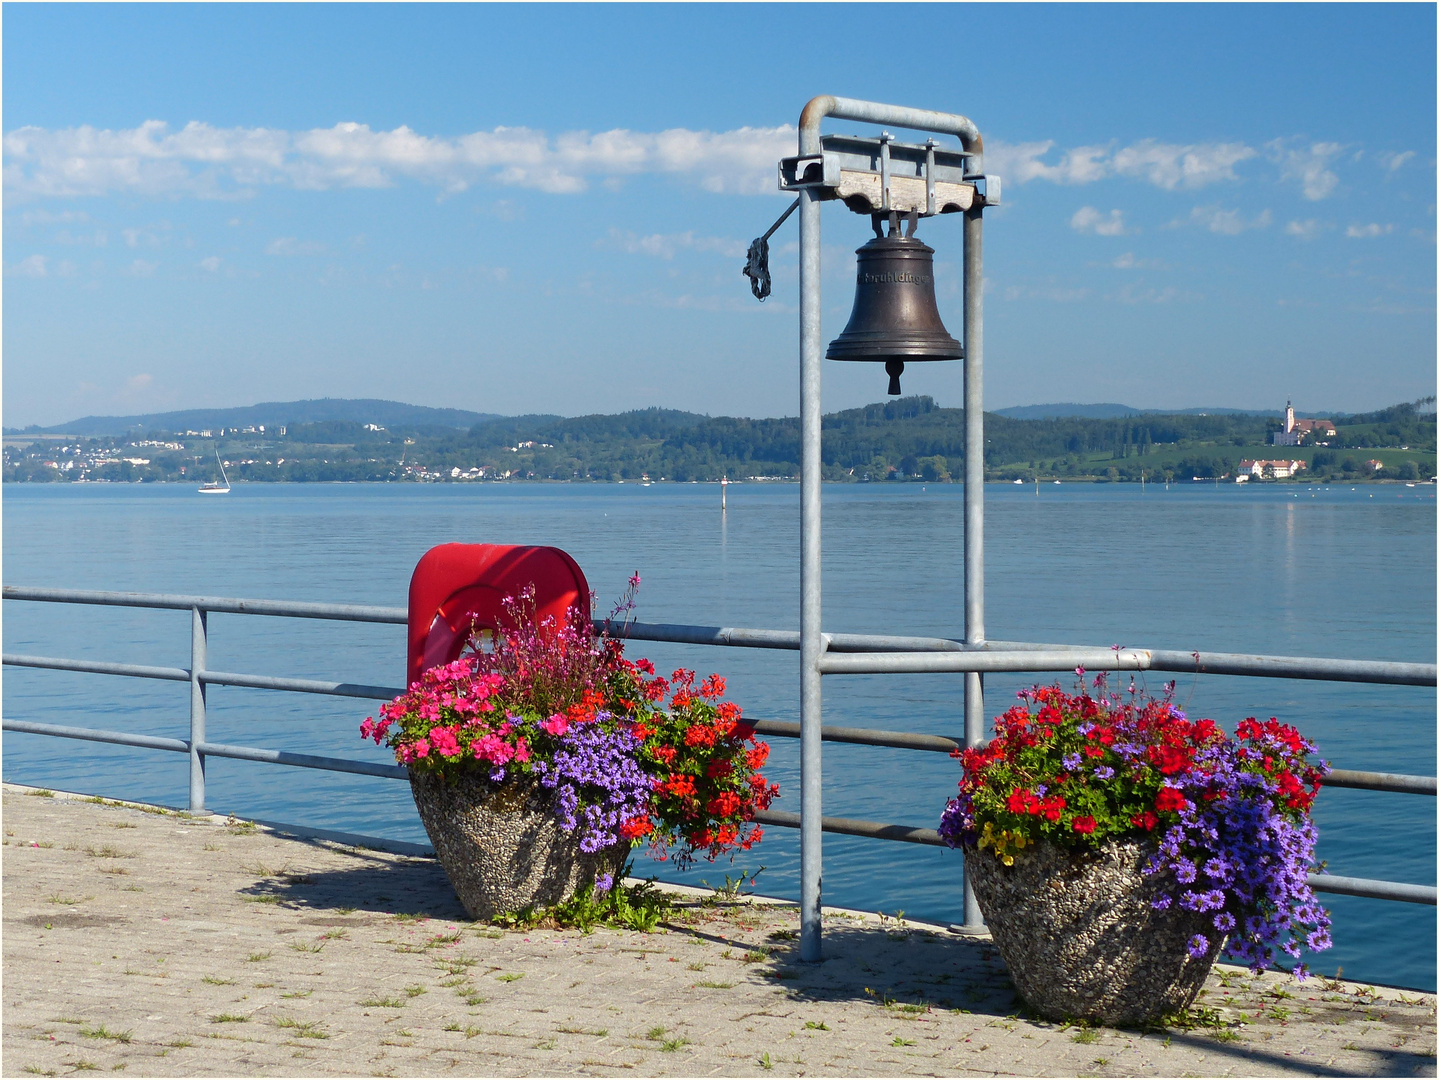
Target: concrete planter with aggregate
column 1081, row 938
column 502, row 847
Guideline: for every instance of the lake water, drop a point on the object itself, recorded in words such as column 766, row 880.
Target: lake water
column 1267, row 569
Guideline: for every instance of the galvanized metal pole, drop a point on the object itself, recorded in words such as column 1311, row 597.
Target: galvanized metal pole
column 198, row 636
column 973, row 495
column 811, row 643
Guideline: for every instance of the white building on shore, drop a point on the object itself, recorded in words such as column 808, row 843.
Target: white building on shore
column 1268, row 470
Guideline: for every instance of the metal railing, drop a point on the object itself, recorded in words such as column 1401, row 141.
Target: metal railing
column 878, row 653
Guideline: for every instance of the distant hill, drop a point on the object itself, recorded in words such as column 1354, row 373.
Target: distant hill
column 1108, row 410
column 270, row 413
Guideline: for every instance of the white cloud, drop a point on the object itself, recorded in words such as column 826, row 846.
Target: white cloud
column 45, row 217
column 1394, row 162
column 1307, row 164
column 1305, row 230
column 211, row 263
column 205, row 161
column 289, row 245
column 33, row 266
column 1021, row 162
column 1171, row 166
column 142, row 237
column 665, row 246
column 1228, row 222
column 138, row 382
column 1088, row 219
column 1366, row 232
column 140, row 268
column 1127, row 261
column 1165, row 165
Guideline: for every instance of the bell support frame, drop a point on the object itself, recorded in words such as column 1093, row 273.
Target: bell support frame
column 800, row 175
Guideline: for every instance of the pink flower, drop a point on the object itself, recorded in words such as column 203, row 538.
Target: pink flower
column 444, row 742
column 555, row 725
column 494, row 749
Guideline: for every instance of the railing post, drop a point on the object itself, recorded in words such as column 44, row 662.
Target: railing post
column 973, row 498
column 198, row 636
column 811, row 835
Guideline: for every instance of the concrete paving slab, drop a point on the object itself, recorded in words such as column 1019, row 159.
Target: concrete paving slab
column 158, row 944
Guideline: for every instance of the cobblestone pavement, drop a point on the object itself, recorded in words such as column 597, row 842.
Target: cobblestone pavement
column 164, row 944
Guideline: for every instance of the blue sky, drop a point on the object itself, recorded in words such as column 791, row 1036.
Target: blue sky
column 544, row 208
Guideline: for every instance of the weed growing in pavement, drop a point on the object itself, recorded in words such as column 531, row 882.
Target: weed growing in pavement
column 109, row 851
column 303, row 1029
column 623, row 907
column 100, row 1031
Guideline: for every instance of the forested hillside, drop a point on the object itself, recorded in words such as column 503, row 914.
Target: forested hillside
column 906, row 439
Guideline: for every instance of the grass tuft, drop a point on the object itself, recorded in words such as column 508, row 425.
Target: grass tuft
column 100, row 1031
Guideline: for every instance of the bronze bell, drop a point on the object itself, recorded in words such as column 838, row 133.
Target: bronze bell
column 895, row 317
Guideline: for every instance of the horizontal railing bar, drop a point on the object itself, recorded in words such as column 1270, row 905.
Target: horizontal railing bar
column 302, row 686
column 217, row 678
column 298, row 609
column 899, row 740
column 305, row 761
column 1295, row 667
column 1381, row 781
column 771, row 639
column 1288, row 667
column 915, row 663
column 96, row 667
column 245, row 753
column 907, row 834
column 1376, row 890
column 1274, row 667
column 123, row 738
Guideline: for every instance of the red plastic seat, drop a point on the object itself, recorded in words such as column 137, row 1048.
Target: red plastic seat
column 459, row 587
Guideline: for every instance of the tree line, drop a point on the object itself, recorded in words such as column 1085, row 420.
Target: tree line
column 903, row 439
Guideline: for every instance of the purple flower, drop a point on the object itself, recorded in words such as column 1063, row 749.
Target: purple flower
column 1104, row 772
column 1198, row 947
column 598, row 784
column 1071, row 761
column 604, row 883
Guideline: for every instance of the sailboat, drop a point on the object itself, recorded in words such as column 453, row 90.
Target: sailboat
column 215, row 487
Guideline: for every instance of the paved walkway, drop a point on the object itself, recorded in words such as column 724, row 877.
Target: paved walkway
column 162, row 944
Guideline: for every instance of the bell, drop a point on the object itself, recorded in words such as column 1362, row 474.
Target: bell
column 895, row 317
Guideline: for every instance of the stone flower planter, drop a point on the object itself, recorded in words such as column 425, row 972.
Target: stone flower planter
column 1080, row 938
column 502, row 848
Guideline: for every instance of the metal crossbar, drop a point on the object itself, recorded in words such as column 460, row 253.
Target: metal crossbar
column 941, row 653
